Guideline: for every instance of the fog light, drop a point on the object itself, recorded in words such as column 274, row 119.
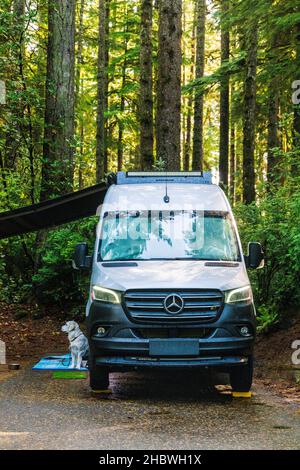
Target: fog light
column 245, row 331
column 101, row 331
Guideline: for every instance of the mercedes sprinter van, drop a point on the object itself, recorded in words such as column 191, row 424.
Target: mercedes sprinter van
column 169, row 284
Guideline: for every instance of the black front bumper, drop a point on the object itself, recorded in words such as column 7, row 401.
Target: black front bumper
column 123, row 347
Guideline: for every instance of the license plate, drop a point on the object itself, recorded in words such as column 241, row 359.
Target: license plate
column 173, row 347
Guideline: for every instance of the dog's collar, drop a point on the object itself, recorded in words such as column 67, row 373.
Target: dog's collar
column 76, row 336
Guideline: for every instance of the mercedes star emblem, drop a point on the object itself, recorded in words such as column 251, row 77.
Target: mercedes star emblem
column 174, row 304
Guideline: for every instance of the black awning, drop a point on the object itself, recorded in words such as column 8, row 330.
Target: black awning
column 54, row 212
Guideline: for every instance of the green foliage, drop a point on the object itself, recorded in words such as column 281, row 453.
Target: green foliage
column 55, row 282
column 267, row 318
column 204, row 84
column 275, row 222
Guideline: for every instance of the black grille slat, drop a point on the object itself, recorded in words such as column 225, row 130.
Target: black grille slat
column 145, row 297
column 172, row 319
column 199, row 305
column 200, row 296
column 144, row 307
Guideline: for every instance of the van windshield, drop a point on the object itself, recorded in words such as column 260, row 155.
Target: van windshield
column 160, row 235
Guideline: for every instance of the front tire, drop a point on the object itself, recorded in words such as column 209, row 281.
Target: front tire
column 99, row 377
column 241, row 377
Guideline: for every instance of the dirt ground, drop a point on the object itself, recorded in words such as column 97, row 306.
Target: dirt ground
column 274, row 366
column 144, row 410
column 31, row 337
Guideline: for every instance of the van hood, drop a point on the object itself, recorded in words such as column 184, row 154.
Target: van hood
column 171, row 274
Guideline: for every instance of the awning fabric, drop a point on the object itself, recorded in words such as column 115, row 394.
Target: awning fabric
column 54, row 212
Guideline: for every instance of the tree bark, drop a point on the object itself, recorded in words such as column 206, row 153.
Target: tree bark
column 224, row 100
column 57, row 171
column 273, row 133
column 188, row 136
column 296, row 127
column 19, row 8
column 273, row 111
column 79, row 124
column 122, row 101
column 232, row 163
column 107, row 83
column 249, row 115
column 146, row 87
column 169, row 83
column 102, row 92
column 197, row 163
column 16, row 108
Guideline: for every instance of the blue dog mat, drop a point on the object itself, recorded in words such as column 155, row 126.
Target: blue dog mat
column 55, row 363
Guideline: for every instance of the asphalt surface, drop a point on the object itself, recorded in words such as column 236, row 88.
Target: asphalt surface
column 144, row 411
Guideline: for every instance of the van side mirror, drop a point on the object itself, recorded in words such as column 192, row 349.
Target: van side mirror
column 255, row 257
column 81, row 258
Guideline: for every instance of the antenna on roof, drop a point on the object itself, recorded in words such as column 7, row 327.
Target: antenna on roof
column 166, row 196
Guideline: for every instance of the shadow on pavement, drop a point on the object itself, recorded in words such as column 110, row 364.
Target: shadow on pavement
column 170, row 385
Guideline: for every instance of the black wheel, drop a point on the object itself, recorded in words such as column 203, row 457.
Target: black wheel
column 241, row 377
column 99, row 377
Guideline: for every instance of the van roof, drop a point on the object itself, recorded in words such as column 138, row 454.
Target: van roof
column 151, row 197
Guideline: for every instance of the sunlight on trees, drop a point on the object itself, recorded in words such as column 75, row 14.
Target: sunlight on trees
column 105, row 85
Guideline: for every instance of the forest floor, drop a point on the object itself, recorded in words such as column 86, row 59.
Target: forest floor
column 145, row 410
column 30, row 337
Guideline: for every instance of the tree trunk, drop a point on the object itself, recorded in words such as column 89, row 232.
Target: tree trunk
column 296, row 129
column 198, row 105
column 120, row 136
column 19, row 8
column 232, row 163
column 188, row 137
column 101, row 155
column 16, row 107
column 273, row 111
column 57, row 171
column 39, row 112
column 249, row 118
column 122, row 101
column 146, row 87
column 169, row 83
column 79, row 125
column 81, row 152
column 24, row 112
column 224, row 100
column 273, row 134
column 107, row 83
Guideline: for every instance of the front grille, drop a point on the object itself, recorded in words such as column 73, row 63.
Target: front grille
column 148, row 305
column 162, row 333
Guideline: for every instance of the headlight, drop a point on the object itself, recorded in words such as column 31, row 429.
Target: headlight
column 243, row 294
column 106, row 295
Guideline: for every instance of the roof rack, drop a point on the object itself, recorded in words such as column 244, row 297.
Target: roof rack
column 137, row 177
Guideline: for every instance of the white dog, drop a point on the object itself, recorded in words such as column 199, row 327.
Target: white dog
column 79, row 345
